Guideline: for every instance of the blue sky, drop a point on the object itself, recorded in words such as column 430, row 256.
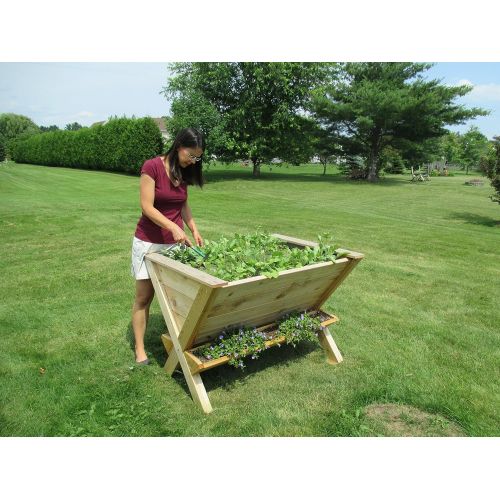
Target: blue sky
column 485, row 77
column 59, row 93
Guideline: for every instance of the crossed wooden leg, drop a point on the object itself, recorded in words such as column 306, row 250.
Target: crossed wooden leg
column 180, row 338
column 194, row 380
column 330, row 347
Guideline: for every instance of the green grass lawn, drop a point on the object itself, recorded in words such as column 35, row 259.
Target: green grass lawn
column 419, row 317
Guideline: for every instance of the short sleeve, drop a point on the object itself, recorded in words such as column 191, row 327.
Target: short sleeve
column 150, row 169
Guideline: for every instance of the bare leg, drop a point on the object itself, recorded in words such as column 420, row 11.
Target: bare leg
column 144, row 293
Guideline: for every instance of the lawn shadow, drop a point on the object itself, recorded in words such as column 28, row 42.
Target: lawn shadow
column 281, row 173
column 225, row 376
column 475, row 219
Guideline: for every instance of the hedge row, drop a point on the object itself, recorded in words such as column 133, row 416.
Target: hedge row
column 3, row 148
column 122, row 144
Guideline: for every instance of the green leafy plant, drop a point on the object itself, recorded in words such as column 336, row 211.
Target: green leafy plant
column 242, row 342
column 256, row 254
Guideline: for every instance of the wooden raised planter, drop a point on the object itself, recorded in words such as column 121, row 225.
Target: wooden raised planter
column 197, row 306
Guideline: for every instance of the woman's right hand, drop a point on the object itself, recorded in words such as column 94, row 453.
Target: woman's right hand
column 180, row 236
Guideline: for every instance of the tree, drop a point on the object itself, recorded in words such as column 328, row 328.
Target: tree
column 418, row 153
column 325, row 146
column 248, row 109
column 490, row 164
column 374, row 105
column 73, row 126
column 451, row 148
column 50, row 128
column 14, row 127
column 192, row 109
column 474, row 145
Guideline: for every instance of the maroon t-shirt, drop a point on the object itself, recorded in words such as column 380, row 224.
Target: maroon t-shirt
column 168, row 200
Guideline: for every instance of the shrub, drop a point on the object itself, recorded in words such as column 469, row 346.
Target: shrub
column 391, row 161
column 123, row 144
column 3, row 148
column 354, row 167
column 490, row 165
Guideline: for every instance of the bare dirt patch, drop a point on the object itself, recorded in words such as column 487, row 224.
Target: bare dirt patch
column 403, row 420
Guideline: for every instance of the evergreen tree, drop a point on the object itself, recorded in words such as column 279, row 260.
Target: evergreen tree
column 374, row 105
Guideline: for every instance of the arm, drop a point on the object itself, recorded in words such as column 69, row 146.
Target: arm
column 147, row 193
column 187, row 217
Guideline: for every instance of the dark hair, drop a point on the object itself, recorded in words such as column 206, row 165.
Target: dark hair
column 186, row 138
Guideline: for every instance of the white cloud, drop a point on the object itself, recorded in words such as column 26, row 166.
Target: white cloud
column 483, row 92
column 85, row 114
column 488, row 92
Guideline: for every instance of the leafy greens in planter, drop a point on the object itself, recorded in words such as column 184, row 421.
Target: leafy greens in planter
column 244, row 256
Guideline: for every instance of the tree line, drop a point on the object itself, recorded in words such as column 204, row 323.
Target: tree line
column 17, row 127
column 365, row 115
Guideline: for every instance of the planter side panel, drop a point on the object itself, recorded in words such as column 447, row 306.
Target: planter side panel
column 179, row 290
column 266, row 300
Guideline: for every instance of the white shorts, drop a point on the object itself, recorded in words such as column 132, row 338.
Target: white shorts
column 139, row 250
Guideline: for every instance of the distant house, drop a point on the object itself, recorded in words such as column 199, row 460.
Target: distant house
column 160, row 122
column 163, row 128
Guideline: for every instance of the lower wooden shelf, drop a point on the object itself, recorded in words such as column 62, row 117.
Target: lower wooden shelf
column 197, row 365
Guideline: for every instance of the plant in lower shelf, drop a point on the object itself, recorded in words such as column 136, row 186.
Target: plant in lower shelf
column 299, row 327
column 240, row 343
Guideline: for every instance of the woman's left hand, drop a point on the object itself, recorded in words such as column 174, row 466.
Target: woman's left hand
column 198, row 239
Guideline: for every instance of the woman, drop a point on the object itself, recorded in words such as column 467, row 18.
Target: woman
column 163, row 192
